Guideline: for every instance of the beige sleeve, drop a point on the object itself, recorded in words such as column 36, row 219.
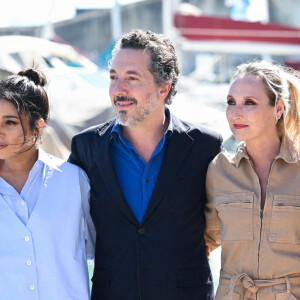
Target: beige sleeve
column 212, row 230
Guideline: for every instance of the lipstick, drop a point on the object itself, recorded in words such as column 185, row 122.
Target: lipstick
column 240, row 126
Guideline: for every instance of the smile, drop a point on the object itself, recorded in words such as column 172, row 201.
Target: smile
column 240, row 126
column 124, row 104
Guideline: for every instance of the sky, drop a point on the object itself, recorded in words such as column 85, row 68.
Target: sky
column 39, row 12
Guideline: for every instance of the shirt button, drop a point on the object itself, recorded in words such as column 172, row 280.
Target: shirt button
column 147, row 179
column 31, row 287
column 28, row 262
column 27, row 238
column 23, row 203
column 141, row 231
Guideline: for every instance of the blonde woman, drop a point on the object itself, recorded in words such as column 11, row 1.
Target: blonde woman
column 253, row 208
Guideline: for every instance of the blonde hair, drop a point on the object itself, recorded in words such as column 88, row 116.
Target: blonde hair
column 281, row 83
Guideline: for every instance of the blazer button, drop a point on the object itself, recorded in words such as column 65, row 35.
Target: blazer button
column 141, row 231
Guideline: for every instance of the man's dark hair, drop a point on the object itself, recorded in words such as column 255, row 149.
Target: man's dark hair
column 163, row 59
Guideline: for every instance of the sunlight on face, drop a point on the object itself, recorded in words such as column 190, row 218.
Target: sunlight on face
column 133, row 92
column 14, row 138
column 249, row 113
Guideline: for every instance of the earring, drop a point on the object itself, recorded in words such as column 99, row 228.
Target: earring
column 35, row 139
column 276, row 119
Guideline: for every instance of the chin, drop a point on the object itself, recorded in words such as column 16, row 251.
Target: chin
column 125, row 122
column 239, row 137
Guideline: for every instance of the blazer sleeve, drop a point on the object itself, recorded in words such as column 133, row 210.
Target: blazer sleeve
column 74, row 157
column 212, row 230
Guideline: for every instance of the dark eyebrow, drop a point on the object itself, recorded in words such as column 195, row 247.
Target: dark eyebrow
column 133, row 73
column 11, row 117
column 128, row 72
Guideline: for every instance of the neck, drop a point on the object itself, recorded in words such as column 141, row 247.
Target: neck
column 263, row 152
column 152, row 128
column 19, row 164
column 145, row 136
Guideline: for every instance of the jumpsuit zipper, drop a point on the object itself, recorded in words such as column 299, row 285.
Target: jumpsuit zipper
column 261, row 214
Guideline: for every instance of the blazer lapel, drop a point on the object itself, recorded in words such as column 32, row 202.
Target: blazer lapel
column 107, row 171
column 178, row 148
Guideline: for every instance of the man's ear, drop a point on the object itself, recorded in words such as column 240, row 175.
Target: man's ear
column 164, row 90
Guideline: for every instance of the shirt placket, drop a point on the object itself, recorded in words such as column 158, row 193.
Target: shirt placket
column 21, row 209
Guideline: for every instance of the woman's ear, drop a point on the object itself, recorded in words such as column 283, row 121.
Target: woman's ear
column 39, row 125
column 279, row 108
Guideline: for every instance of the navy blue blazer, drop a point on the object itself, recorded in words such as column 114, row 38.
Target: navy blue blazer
column 164, row 257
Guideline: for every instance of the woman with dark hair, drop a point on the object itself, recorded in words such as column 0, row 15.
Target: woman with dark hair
column 253, row 197
column 45, row 228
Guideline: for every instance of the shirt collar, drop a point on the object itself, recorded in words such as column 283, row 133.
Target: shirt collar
column 116, row 131
column 43, row 159
column 287, row 152
column 48, row 160
column 240, row 153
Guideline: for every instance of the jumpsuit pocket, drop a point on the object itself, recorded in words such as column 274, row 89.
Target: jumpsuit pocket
column 235, row 213
column 285, row 225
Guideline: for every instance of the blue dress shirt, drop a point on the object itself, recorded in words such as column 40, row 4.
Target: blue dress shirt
column 136, row 177
column 46, row 234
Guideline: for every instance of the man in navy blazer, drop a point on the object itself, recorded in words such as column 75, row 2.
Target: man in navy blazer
column 147, row 172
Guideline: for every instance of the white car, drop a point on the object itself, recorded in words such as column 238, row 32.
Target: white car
column 77, row 88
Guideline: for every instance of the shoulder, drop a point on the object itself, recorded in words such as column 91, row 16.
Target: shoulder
column 61, row 166
column 222, row 161
column 95, row 131
column 197, row 131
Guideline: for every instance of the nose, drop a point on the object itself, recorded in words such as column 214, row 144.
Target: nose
column 1, row 132
column 118, row 88
column 236, row 111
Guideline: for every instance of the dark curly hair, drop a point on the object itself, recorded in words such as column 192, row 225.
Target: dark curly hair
column 163, row 59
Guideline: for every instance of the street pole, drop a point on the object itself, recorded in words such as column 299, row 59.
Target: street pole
column 116, row 21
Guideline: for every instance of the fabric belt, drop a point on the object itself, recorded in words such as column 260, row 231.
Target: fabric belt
column 252, row 286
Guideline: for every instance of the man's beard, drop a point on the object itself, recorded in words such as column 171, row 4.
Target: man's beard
column 140, row 113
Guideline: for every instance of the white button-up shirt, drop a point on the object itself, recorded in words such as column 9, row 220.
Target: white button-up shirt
column 46, row 234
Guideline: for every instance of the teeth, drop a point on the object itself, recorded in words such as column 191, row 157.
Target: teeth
column 124, row 104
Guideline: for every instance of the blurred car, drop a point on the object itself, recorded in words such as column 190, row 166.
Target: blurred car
column 77, row 88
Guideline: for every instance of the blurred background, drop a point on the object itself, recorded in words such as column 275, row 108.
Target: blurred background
column 71, row 41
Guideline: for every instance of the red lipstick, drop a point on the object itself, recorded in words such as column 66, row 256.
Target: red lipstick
column 240, row 126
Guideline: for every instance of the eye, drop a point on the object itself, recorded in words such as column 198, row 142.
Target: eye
column 112, row 77
column 10, row 122
column 249, row 102
column 230, row 102
column 131, row 78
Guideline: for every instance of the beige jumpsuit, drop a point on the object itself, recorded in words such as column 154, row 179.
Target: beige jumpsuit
column 260, row 248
